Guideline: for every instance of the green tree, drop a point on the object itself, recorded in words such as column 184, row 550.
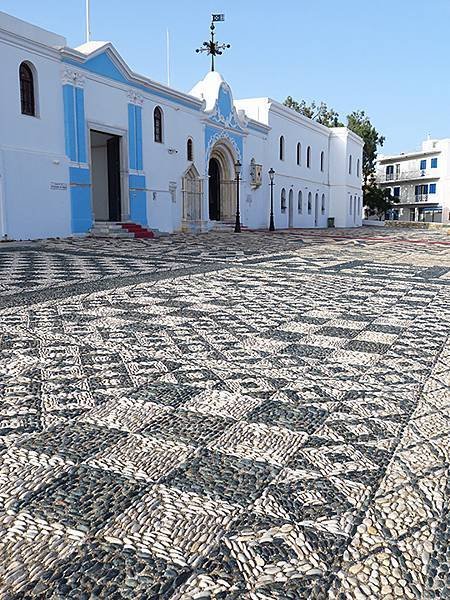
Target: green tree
column 317, row 112
column 359, row 123
column 378, row 200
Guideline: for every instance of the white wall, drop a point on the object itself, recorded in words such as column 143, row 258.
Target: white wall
column 333, row 181
column 345, row 187
column 33, row 209
column 33, row 148
column 255, row 202
column 167, row 161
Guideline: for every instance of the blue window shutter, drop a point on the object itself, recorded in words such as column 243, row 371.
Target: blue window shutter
column 396, row 192
column 418, row 189
column 434, row 163
column 425, row 189
column 423, row 165
column 432, row 188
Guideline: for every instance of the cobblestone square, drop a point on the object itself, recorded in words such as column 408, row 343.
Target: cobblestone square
column 256, row 416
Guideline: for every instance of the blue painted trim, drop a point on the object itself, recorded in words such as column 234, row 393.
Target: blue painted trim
column 79, row 176
column 138, row 199
column 80, row 200
column 139, row 159
column 74, row 123
column 132, row 136
column 106, row 68
column 69, row 122
column 81, row 125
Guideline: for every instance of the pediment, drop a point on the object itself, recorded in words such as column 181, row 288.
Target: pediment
column 108, row 63
column 224, row 112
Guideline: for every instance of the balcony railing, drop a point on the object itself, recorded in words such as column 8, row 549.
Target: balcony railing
column 405, row 176
column 422, row 198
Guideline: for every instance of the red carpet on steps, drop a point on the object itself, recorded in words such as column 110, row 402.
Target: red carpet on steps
column 138, row 230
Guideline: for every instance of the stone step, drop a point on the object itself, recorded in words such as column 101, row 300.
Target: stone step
column 113, row 229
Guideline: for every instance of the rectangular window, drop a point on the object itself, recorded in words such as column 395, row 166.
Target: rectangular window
column 396, row 192
column 434, row 163
column 432, row 188
column 389, row 172
column 423, row 164
column 422, row 190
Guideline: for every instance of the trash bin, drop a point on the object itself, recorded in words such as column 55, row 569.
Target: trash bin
column 330, row 221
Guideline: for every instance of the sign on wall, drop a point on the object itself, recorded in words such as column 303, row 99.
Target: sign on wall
column 58, row 187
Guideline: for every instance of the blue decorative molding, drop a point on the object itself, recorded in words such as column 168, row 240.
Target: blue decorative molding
column 138, row 199
column 225, row 113
column 213, row 135
column 103, row 65
column 80, row 200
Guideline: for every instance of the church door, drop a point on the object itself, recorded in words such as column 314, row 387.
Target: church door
column 113, row 152
column 214, row 190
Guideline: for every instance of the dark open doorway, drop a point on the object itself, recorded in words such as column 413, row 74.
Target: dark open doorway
column 214, row 190
column 106, row 181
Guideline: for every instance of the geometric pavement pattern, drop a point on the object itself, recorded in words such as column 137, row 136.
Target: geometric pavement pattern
column 220, row 416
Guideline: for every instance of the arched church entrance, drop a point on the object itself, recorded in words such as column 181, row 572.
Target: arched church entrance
column 222, row 184
column 214, row 189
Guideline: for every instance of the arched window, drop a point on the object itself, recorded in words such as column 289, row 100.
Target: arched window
column 322, row 160
column 27, row 93
column 299, row 154
column 190, row 150
column 158, row 125
column 350, row 164
column 282, row 147
column 300, row 202
column 308, row 157
column 283, row 200
column 323, row 204
column 358, row 168
column 351, row 202
column 309, row 203
column 359, row 206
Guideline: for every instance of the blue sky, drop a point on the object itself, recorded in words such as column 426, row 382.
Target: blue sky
column 385, row 57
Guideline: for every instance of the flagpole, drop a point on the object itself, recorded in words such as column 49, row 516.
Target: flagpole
column 88, row 21
column 168, row 56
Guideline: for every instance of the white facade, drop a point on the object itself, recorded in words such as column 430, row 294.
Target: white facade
column 421, row 181
column 103, row 143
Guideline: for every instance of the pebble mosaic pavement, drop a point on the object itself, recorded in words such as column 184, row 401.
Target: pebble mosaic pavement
column 245, row 417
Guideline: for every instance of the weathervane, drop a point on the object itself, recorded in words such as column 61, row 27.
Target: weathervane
column 212, row 47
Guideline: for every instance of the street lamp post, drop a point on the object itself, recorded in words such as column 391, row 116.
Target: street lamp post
column 237, row 226
column 271, row 223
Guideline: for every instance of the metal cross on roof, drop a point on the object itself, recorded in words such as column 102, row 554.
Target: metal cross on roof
column 213, row 48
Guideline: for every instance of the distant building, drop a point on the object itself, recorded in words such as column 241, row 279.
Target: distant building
column 84, row 140
column 421, row 181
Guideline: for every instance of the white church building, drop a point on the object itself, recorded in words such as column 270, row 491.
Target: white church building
column 84, row 139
